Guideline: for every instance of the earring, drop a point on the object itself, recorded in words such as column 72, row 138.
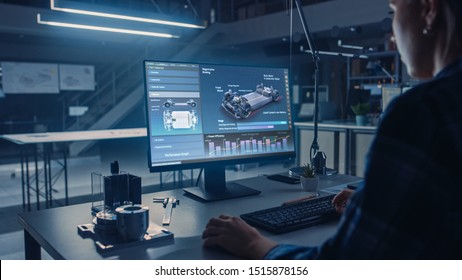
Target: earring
column 427, row 31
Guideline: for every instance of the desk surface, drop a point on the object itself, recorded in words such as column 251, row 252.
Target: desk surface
column 69, row 136
column 56, row 229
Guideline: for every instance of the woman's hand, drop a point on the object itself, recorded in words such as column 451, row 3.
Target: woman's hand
column 341, row 199
column 237, row 237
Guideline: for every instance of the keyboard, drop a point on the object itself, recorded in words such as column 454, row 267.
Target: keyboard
column 294, row 216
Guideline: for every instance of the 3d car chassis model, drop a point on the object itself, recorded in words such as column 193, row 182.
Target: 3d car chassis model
column 242, row 106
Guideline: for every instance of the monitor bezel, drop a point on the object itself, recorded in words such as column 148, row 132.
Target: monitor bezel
column 204, row 163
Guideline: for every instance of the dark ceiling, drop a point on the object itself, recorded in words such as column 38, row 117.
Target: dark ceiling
column 225, row 10
column 366, row 35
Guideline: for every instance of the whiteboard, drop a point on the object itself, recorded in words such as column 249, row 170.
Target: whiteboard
column 76, row 77
column 19, row 77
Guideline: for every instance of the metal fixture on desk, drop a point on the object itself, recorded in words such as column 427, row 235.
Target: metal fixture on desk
column 117, row 207
column 169, row 203
column 125, row 223
column 120, row 188
column 132, row 221
column 120, row 218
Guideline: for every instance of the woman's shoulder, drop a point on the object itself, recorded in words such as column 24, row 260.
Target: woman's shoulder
column 431, row 96
column 433, row 104
column 448, row 82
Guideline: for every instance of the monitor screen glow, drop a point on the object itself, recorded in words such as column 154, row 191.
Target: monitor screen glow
column 205, row 115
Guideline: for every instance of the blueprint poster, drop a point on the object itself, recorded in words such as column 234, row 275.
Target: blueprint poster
column 30, row 77
column 76, row 77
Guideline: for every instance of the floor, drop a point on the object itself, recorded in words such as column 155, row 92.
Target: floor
column 79, row 178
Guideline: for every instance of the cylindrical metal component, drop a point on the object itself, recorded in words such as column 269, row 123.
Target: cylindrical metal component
column 105, row 226
column 132, row 221
column 106, row 221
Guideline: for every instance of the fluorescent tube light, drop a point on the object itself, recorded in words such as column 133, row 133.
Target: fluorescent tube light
column 335, row 53
column 124, row 17
column 101, row 28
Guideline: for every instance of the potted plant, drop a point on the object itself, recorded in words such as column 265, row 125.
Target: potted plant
column 308, row 179
column 361, row 110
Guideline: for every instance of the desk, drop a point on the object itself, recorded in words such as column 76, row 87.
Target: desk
column 350, row 131
column 55, row 229
column 29, row 148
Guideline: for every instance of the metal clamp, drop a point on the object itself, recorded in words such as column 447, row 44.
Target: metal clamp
column 169, row 203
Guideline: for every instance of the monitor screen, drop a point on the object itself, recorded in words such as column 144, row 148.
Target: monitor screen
column 209, row 116
column 388, row 94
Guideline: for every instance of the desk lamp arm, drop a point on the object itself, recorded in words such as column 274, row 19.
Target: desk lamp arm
column 317, row 159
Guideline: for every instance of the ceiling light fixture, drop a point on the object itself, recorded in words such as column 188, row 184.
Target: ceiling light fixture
column 124, row 17
column 302, row 49
column 101, row 28
column 340, row 44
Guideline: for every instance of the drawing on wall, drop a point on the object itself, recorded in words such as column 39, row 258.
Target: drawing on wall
column 21, row 77
column 76, row 77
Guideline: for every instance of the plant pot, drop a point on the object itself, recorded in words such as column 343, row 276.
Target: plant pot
column 309, row 184
column 361, row 120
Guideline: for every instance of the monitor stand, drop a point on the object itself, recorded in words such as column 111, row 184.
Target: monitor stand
column 216, row 188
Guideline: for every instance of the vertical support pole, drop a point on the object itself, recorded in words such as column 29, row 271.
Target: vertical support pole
column 46, row 180
column 66, row 188
column 48, row 151
column 348, row 151
column 353, row 153
column 336, row 150
column 23, row 182
column 32, row 249
column 37, row 187
column 63, row 128
column 26, row 156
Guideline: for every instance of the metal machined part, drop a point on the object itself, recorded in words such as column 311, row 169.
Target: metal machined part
column 105, row 221
column 132, row 221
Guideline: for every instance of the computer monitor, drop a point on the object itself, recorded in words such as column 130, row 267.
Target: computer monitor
column 211, row 116
column 388, row 94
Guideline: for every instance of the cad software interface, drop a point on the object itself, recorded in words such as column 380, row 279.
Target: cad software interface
column 201, row 112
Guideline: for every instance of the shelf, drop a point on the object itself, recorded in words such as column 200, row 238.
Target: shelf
column 379, row 62
column 381, row 54
column 369, row 74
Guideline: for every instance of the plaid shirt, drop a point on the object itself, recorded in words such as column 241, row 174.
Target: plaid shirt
column 410, row 206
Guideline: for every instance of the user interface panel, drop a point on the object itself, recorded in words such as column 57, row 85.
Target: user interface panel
column 200, row 112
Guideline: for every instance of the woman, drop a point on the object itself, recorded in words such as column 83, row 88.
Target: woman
column 409, row 205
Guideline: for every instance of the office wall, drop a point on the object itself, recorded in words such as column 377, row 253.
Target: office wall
column 246, row 41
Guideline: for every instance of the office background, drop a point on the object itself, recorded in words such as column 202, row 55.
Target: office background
column 245, row 32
